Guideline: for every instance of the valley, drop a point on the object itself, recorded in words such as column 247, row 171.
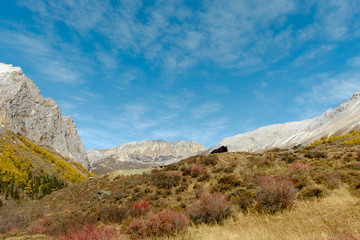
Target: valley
column 260, row 194
column 297, row 180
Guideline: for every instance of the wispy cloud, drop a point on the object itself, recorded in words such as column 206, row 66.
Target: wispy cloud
column 155, row 63
column 37, row 48
column 205, row 109
column 325, row 91
column 354, row 62
column 233, row 34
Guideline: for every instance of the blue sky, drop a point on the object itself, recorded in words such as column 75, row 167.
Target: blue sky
column 131, row 70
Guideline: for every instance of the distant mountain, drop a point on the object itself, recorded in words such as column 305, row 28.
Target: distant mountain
column 24, row 111
column 141, row 154
column 337, row 121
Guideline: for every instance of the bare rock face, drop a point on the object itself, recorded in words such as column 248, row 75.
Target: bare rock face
column 337, row 121
column 24, row 111
column 141, row 154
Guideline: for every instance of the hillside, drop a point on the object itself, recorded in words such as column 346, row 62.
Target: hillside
column 308, row 192
column 141, row 154
column 24, row 111
column 337, row 121
column 28, row 171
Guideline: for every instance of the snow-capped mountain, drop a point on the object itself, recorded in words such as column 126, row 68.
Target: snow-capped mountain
column 337, row 121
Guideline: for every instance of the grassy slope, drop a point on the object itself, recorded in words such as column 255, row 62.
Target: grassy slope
column 326, row 174
column 333, row 217
column 30, row 171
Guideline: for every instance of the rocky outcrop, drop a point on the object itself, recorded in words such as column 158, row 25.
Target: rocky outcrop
column 141, row 154
column 24, row 111
column 337, row 121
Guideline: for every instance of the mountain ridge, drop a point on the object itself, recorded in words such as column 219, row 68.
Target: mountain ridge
column 141, row 154
column 24, row 111
column 340, row 120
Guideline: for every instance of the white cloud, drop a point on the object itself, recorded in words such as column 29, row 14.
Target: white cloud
column 326, row 91
column 354, row 62
column 171, row 35
column 205, row 109
column 335, row 16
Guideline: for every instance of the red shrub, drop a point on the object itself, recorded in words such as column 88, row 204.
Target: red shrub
column 39, row 226
column 13, row 229
column 196, row 170
column 210, row 208
column 299, row 166
column 90, row 232
column 167, row 222
column 275, row 193
column 164, row 223
column 140, row 208
column 137, row 229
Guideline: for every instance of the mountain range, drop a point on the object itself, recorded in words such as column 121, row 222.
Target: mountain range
column 141, row 154
column 26, row 113
column 338, row 121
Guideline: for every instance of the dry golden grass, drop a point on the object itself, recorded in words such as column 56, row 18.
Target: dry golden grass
column 128, row 172
column 28, row 237
column 334, row 217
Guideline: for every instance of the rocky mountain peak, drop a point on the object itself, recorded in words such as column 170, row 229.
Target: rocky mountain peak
column 24, row 111
column 8, row 68
column 141, row 154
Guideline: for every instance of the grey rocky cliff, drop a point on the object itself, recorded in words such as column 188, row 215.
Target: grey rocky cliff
column 337, row 121
column 141, row 154
column 23, row 110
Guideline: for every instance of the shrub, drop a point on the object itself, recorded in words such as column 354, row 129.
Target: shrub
column 90, row 232
column 355, row 185
column 166, row 180
column 140, row 208
column 300, row 179
column 137, row 229
column 312, row 191
column 209, row 160
column 355, row 140
column 39, row 226
column 73, row 224
column 300, row 167
column 331, row 180
column 244, row 198
column 185, row 170
column 230, row 168
column 183, row 186
column 167, row 222
column 289, row 157
column 203, row 177
column 275, row 194
column 164, row 223
column 226, row 182
column 196, row 170
column 316, row 154
column 210, row 208
column 113, row 214
column 230, row 179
